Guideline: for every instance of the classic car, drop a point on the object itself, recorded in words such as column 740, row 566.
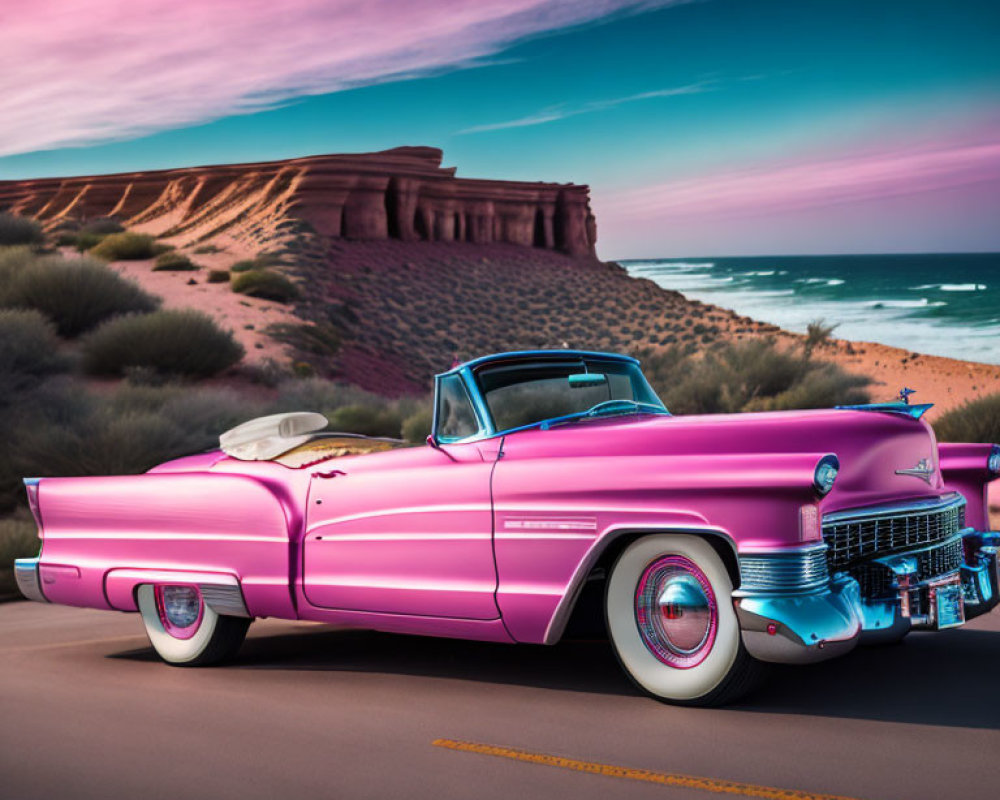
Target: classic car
column 555, row 493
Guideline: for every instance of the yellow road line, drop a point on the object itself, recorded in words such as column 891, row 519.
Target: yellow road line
column 649, row 776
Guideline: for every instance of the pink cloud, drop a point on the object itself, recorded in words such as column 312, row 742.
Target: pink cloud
column 788, row 187
column 74, row 72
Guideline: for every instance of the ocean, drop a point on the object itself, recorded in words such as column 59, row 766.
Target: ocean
column 940, row 304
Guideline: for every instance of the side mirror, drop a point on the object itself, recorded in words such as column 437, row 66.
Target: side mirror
column 581, row 380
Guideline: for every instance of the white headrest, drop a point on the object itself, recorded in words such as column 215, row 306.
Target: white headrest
column 268, row 437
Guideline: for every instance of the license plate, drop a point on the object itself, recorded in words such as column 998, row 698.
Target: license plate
column 950, row 608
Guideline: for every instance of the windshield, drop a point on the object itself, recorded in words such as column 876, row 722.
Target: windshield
column 528, row 393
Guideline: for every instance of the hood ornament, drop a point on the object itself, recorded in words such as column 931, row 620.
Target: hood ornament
column 904, row 395
column 923, row 470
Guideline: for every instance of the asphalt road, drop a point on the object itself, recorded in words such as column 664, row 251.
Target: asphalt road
column 86, row 710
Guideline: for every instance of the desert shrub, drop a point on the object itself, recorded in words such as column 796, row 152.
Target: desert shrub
column 72, row 432
column 19, row 230
column 262, row 261
column 128, row 246
column 102, row 226
column 745, row 376
column 269, row 260
column 18, row 539
column 370, row 420
column 83, row 241
column 417, row 426
column 186, row 343
column 974, row 421
column 174, row 262
column 28, row 352
column 12, row 261
column 217, row 276
column 87, row 235
column 822, row 387
column 76, row 294
column 265, row 284
column 321, row 339
column 266, row 372
column 206, row 249
column 316, row 394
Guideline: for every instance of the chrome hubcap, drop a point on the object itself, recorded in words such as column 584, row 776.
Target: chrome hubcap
column 676, row 612
column 180, row 609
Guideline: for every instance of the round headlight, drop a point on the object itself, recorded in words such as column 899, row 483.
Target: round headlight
column 826, row 474
column 993, row 463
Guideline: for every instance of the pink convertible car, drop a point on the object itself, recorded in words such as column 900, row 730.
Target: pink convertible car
column 555, row 491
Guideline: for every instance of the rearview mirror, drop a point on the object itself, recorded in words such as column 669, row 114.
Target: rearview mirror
column 581, row 380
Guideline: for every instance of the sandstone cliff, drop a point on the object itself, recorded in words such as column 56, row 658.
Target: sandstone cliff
column 403, row 194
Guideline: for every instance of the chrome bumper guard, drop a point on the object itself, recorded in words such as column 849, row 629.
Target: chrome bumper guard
column 801, row 624
column 28, row 580
column 981, row 579
column 789, row 609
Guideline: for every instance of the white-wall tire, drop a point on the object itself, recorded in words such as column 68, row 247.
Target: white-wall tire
column 725, row 670
column 216, row 639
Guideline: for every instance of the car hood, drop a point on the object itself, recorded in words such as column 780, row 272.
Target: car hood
column 872, row 446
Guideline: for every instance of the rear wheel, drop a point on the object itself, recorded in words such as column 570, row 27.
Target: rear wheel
column 671, row 621
column 184, row 630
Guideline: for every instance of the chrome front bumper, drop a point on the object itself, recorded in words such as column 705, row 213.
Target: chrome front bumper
column 801, row 627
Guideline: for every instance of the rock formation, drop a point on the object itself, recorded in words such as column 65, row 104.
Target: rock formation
column 402, row 194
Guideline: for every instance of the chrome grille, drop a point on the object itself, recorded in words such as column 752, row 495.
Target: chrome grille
column 940, row 560
column 784, row 570
column 870, row 533
column 876, row 579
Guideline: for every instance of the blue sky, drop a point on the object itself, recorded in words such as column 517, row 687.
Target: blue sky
column 720, row 127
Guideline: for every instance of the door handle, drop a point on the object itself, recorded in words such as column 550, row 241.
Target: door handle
column 331, row 474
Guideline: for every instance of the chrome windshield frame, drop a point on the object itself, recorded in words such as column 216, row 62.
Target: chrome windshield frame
column 487, row 429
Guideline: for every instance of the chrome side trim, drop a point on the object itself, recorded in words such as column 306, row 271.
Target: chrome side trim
column 224, row 600
column 28, row 580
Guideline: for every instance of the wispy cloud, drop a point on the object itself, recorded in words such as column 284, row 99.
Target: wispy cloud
column 792, row 186
column 555, row 113
column 74, row 73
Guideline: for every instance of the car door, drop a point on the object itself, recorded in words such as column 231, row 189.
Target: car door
column 409, row 531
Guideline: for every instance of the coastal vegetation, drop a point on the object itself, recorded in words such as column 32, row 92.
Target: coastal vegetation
column 974, row 421
column 817, row 335
column 754, row 375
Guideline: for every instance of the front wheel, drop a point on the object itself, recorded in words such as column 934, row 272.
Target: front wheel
column 184, row 630
column 671, row 621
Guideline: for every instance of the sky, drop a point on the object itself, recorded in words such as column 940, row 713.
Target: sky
column 709, row 127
